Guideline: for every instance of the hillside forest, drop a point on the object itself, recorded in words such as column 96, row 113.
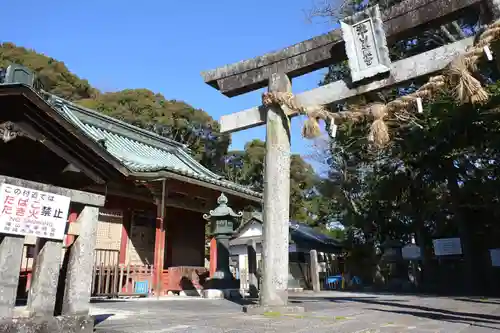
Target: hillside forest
column 176, row 120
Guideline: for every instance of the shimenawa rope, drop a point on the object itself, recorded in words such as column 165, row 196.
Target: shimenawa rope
column 457, row 77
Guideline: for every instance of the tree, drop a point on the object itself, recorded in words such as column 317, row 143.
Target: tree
column 170, row 118
column 247, row 167
column 435, row 179
column 54, row 74
column 352, row 164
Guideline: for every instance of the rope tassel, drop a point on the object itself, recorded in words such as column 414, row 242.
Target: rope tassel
column 311, row 128
column 379, row 132
column 467, row 87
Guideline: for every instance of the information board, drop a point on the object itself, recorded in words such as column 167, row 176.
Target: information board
column 447, row 246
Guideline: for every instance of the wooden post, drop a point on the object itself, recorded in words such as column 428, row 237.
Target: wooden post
column 276, row 201
column 126, row 224
column 252, row 268
column 159, row 255
column 81, row 261
column 314, row 268
column 213, row 256
column 11, row 252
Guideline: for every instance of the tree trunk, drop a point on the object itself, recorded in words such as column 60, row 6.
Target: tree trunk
column 459, row 218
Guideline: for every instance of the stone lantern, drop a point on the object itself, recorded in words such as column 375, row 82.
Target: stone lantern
column 223, row 221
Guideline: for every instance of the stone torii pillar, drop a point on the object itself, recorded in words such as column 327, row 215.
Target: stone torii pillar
column 276, row 201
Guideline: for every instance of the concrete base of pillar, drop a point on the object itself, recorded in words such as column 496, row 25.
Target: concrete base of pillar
column 222, row 283
column 221, row 293
column 46, row 324
column 252, row 293
column 190, row 293
column 275, row 310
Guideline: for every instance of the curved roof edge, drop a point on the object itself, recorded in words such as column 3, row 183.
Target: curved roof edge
column 139, row 150
column 297, row 230
column 101, row 120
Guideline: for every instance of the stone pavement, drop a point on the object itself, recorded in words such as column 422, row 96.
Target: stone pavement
column 325, row 312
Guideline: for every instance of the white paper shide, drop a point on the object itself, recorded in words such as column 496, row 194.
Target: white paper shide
column 25, row 211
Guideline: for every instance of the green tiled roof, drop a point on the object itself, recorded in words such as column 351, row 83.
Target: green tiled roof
column 137, row 149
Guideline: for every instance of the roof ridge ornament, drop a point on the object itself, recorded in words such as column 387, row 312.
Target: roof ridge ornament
column 222, row 199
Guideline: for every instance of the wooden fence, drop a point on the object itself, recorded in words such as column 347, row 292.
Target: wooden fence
column 112, row 279
column 109, row 277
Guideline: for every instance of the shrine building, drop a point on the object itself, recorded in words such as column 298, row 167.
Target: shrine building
column 151, row 233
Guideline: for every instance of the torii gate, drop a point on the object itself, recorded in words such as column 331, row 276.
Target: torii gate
column 276, row 69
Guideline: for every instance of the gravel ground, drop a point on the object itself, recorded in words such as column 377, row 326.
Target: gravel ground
column 325, row 312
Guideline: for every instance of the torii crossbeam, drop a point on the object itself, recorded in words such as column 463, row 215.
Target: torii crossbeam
column 275, row 70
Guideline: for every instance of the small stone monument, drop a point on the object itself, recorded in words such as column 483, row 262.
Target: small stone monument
column 392, row 251
column 397, row 279
column 223, row 222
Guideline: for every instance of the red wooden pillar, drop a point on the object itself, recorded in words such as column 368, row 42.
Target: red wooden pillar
column 213, row 256
column 159, row 252
column 168, row 246
column 127, row 218
column 159, row 255
column 73, row 216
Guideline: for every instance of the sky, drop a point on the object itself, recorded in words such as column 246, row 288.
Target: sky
column 164, row 45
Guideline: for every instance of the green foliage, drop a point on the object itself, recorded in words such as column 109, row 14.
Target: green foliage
column 141, row 107
column 247, row 168
column 379, row 194
column 428, row 178
column 438, row 177
column 54, row 74
column 434, row 181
